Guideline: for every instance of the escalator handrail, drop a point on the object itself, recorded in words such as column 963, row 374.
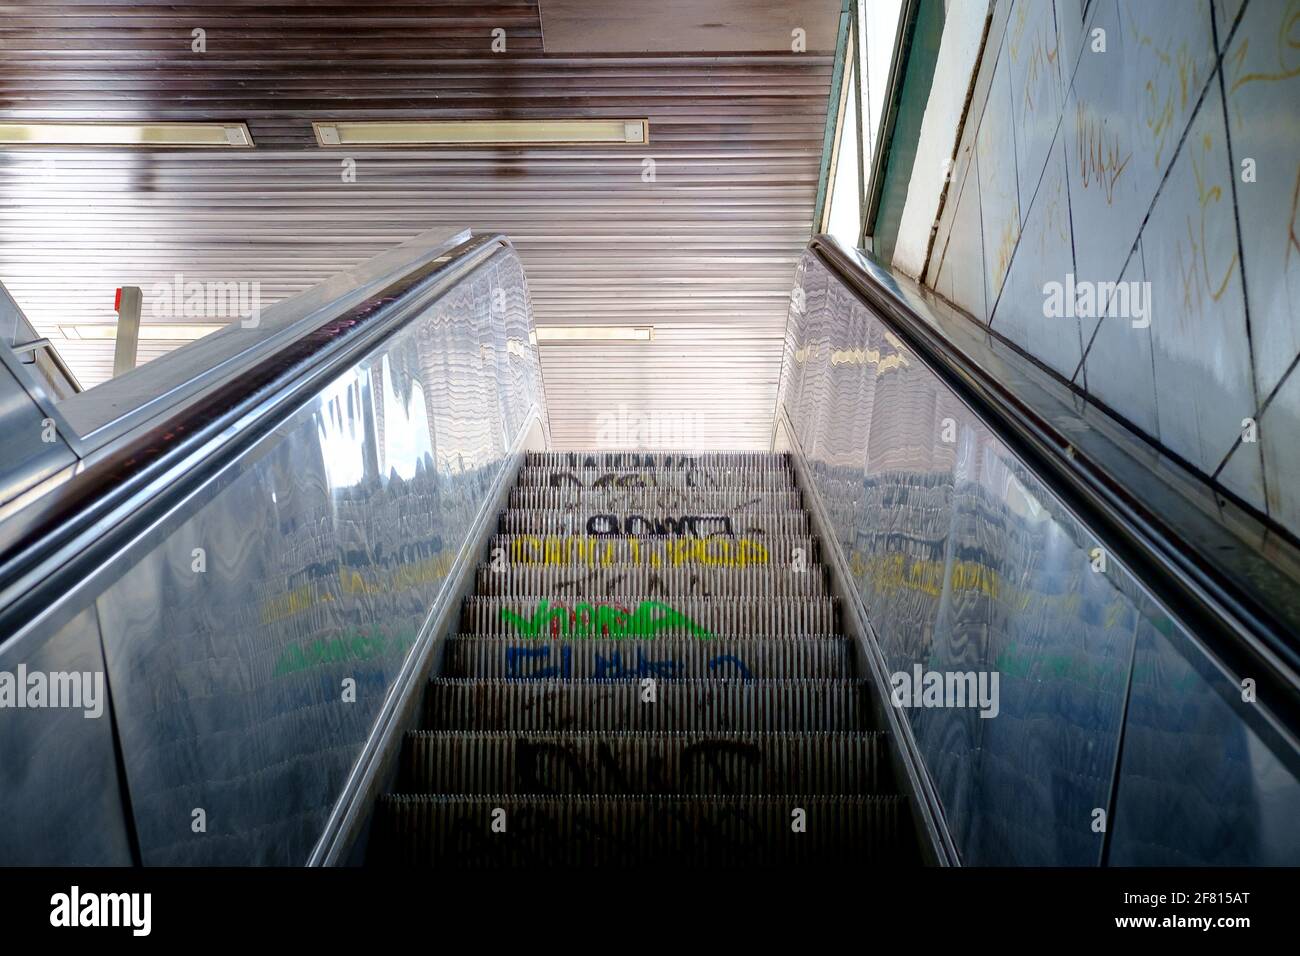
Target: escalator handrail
column 1243, row 620
column 65, row 537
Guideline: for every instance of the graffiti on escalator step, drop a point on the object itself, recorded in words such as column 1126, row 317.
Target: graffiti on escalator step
column 538, row 663
column 602, row 620
column 698, row 526
column 605, row 551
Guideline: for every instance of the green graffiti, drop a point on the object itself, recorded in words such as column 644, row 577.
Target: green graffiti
column 347, row 647
column 602, row 620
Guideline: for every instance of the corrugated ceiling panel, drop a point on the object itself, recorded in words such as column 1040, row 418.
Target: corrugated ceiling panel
column 705, row 252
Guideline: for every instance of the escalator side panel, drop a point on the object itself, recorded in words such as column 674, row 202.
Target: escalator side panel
column 252, row 649
column 966, row 564
column 60, row 791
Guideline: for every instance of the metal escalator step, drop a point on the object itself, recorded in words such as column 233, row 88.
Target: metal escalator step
column 663, row 461
column 670, row 657
column 699, row 617
column 620, row 762
column 664, row 584
column 702, row 705
column 646, row 500
column 706, row 478
column 655, row 524
column 457, row 831
column 605, row 550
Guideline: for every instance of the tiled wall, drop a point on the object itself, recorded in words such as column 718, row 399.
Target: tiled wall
column 1127, row 164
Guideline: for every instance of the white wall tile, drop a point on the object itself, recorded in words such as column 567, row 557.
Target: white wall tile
column 995, row 152
column 1225, row 14
column 963, row 261
column 1043, row 255
column 1033, row 56
column 1169, row 53
column 1118, row 365
column 1204, row 382
column 1069, row 31
column 1244, row 474
column 1264, row 126
column 1107, row 201
column 1278, row 428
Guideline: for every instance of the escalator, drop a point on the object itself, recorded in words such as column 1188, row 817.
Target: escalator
column 650, row 671
column 340, row 602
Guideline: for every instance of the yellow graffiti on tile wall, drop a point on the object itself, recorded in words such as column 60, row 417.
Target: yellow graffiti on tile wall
column 1205, row 196
column 1100, row 161
column 1163, row 91
column 1288, row 53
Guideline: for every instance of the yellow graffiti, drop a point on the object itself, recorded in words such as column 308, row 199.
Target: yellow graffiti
column 890, row 573
column 656, row 552
column 1204, row 196
column 1288, row 42
column 860, row 356
column 352, row 583
column 1099, row 161
column 1160, row 100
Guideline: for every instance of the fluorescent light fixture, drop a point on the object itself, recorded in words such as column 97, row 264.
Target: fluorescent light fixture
column 595, row 333
column 551, row 132
column 185, row 135
column 148, row 330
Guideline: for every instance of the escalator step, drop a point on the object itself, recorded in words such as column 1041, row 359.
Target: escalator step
column 685, row 763
column 662, row 583
column 662, row 461
column 457, row 831
column 692, row 501
column 698, row 705
column 606, row 550
column 772, row 479
column 700, row 617
column 749, row 521
column 670, row 657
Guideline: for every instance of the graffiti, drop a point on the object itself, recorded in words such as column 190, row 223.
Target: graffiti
column 668, row 525
column 404, row 555
column 604, row 551
column 1099, row 160
column 344, row 648
column 603, row 620
column 695, row 478
column 351, row 583
column 597, row 581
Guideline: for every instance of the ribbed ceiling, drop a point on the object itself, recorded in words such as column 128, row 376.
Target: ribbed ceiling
column 705, row 253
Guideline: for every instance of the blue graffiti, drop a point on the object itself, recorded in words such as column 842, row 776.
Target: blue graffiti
column 733, row 661
column 514, row 655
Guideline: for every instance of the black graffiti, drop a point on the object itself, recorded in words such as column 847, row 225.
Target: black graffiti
column 359, row 558
column 698, row 478
column 599, row 582
column 665, row 526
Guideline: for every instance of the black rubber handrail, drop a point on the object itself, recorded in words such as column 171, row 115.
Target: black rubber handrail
column 1238, row 602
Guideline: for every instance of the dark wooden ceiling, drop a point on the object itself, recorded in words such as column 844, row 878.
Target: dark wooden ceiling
column 705, row 252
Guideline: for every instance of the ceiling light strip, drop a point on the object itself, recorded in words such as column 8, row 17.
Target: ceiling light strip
column 146, row 135
column 547, row 132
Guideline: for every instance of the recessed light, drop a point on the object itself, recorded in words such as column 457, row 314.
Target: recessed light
column 547, row 132
column 197, row 135
column 595, row 333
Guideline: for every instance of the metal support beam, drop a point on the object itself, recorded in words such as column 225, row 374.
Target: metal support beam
column 128, row 328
